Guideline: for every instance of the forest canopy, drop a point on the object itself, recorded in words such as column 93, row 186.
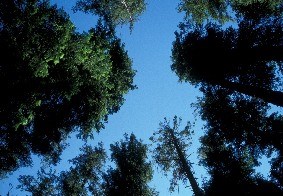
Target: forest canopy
column 56, row 80
column 239, row 71
column 58, row 83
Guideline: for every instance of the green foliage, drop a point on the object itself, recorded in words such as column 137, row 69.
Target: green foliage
column 199, row 11
column 221, row 11
column 241, row 129
column 24, row 24
column 81, row 179
column 165, row 153
column 239, row 72
column 132, row 172
column 86, row 176
column 44, row 184
column 55, row 80
column 229, row 58
column 114, row 12
column 33, row 35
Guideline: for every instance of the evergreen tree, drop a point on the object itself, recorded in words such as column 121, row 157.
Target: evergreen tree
column 55, row 80
column 44, row 184
column 170, row 153
column 239, row 71
column 231, row 170
column 243, row 126
column 245, row 60
column 87, row 174
column 83, row 178
column 132, row 172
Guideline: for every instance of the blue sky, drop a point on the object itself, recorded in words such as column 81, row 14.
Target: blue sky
column 159, row 93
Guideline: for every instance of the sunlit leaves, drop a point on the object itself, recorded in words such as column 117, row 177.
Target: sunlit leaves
column 114, row 12
column 55, row 80
column 221, row 11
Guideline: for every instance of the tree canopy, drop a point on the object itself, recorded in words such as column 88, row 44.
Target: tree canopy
column 232, row 170
column 170, row 153
column 82, row 178
column 56, row 81
column 239, row 71
column 246, row 59
column 244, row 127
column 132, row 172
column 115, row 12
column 223, row 11
column 88, row 175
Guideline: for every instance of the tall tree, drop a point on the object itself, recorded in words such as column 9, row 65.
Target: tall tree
column 242, row 125
column 170, row 153
column 231, row 170
column 243, row 60
column 239, row 70
column 132, row 172
column 114, row 12
column 55, row 80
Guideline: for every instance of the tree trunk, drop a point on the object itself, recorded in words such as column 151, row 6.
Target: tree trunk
column 185, row 165
column 270, row 96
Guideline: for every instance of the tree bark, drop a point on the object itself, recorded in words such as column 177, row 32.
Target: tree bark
column 270, row 96
column 185, row 165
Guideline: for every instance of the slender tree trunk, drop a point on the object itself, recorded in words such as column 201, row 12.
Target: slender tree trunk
column 185, row 165
column 270, row 96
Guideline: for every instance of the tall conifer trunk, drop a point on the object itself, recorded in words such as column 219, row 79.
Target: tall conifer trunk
column 270, row 96
column 185, row 165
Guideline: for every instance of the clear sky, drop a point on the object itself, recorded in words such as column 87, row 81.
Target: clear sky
column 159, row 93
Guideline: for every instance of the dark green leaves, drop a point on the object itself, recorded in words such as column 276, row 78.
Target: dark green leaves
column 238, row 70
column 132, row 172
column 87, row 174
column 83, row 178
column 229, row 58
column 55, row 80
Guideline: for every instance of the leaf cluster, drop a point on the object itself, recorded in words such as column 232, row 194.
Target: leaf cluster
column 114, row 12
column 132, row 172
column 56, row 81
column 222, row 11
column 87, row 175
